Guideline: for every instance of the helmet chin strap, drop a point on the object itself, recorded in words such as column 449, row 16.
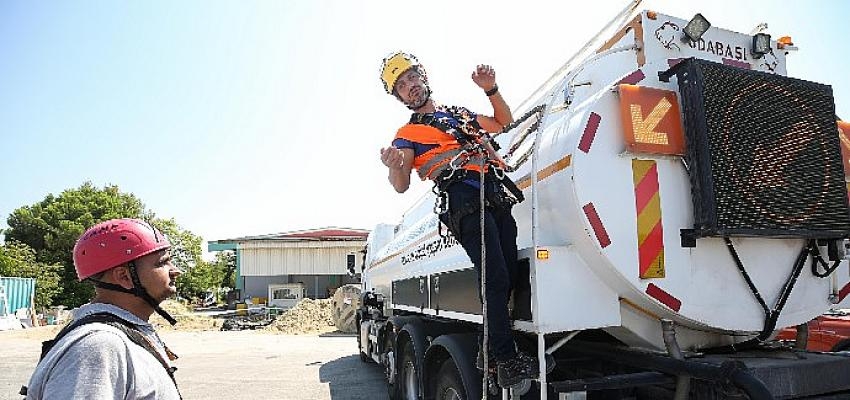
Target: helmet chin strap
column 138, row 290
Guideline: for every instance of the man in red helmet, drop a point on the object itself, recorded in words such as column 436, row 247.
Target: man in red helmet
column 447, row 145
column 110, row 350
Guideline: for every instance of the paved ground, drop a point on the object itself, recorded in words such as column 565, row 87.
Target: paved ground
column 235, row 365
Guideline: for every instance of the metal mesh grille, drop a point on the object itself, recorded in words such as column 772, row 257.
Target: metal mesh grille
column 764, row 153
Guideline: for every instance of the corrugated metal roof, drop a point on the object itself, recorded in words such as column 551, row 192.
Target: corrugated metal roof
column 328, row 233
column 303, row 244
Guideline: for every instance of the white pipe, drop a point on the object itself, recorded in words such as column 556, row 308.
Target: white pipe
column 561, row 342
column 615, row 23
column 683, row 382
column 541, row 364
column 833, row 279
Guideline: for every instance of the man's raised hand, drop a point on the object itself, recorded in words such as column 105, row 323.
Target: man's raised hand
column 392, row 157
column 484, row 76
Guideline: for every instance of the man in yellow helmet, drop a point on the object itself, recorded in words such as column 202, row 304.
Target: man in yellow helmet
column 439, row 142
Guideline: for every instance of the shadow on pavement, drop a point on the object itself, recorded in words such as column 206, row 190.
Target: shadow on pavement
column 350, row 378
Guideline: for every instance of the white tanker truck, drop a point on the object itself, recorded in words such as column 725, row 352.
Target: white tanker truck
column 684, row 200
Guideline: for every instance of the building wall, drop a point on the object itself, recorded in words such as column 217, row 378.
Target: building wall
column 269, row 258
column 258, row 286
column 316, row 285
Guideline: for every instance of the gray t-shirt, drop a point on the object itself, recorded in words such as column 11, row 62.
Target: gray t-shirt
column 98, row 361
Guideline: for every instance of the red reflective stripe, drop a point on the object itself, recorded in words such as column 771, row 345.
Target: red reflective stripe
column 736, row 63
column 647, row 188
column 589, row 132
column 596, row 224
column 671, row 62
column 844, row 292
column 633, row 78
column 665, row 298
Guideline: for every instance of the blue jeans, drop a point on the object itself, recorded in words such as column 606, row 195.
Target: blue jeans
column 500, row 233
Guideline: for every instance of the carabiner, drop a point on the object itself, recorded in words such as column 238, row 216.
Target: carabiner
column 463, row 153
column 441, row 203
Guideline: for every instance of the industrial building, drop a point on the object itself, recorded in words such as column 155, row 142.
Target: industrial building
column 316, row 258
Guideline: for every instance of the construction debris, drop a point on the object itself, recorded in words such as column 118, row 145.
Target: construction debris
column 251, row 322
column 308, row 316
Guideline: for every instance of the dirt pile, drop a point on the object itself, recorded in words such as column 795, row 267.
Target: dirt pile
column 186, row 320
column 308, row 316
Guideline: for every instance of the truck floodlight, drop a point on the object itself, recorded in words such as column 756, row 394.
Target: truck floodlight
column 695, row 28
column 761, row 45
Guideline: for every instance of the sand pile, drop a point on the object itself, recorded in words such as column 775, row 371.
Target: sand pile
column 186, row 320
column 308, row 316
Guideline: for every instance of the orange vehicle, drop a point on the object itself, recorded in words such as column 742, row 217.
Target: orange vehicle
column 828, row 332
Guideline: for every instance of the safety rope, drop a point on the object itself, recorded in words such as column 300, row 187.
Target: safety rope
column 485, row 344
column 475, row 141
column 534, row 112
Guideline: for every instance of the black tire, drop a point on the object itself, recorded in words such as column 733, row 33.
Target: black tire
column 449, row 385
column 407, row 376
column 843, row 345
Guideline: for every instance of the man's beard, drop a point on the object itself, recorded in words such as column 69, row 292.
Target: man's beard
column 167, row 293
column 423, row 98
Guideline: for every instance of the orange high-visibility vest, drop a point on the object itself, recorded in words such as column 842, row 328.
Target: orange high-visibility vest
column 430, row 164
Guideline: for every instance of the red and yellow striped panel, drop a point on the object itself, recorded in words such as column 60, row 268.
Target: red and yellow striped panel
column 649, row 230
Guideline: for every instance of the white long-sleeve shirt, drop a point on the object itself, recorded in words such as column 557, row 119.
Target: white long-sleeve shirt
column 98, row 361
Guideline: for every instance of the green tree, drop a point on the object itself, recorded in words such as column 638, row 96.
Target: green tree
column 186, row 255
column 196, row 281
column 226, row 261
column 19, row 260
column 198, row 275
column 205, row 276
column 52, row 226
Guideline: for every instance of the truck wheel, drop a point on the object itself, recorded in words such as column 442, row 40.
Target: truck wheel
column 449, row 386
column 346, row 301
column 407, row 380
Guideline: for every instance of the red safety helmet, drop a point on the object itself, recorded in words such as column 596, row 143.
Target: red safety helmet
column 113, row 243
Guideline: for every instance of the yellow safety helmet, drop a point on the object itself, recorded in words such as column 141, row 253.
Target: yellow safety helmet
column 396, row 64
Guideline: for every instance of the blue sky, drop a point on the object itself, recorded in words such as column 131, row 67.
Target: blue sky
column 240, row 118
